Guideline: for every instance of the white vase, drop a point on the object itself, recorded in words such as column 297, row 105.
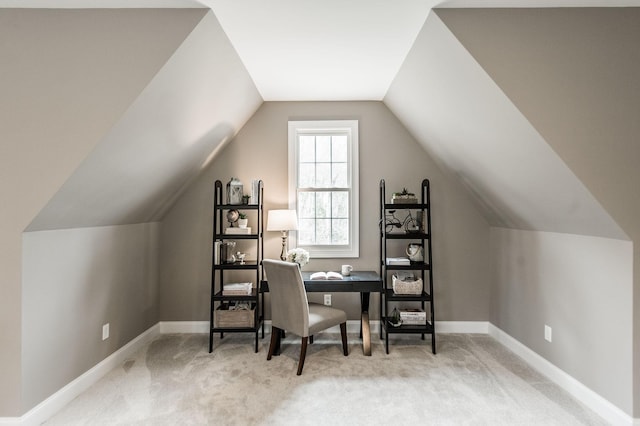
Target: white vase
column 242, row 223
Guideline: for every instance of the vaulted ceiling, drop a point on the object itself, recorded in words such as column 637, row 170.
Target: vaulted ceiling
column 423, row 63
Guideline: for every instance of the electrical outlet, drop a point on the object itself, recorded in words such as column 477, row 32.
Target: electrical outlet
column 105, row 331
column 327, row 300
column 547, row 333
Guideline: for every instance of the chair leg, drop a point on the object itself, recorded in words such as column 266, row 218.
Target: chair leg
column 343, row 332
column 303, row 353
column 275, row 335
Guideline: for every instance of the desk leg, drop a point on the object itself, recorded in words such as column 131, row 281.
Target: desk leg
column 365, row 330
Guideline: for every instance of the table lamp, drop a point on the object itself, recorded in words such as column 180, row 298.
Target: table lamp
column 283, row 221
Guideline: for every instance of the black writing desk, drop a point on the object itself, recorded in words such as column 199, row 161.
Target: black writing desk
column 363, row 282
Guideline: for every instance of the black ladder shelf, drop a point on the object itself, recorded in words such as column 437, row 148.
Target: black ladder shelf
column 219, row 268
column 418, row 232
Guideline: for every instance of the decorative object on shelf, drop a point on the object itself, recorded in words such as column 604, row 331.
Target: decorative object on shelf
column 240, row 256
column 237, row 289
column 298, row 255
column 393, row 225
column 232, row 216
column 245, row 199
column 238, row 231
column 236, row 315
column 395, row 261
column 415, row 252
column 234, row 191
column 413, row 316
column 407, row 285
column 226, row 252
column 404, row 197
column 242, row 220
column 420, row 220
column 216, row 252
column 283, row 221
column 395, row 319
column 255, row 189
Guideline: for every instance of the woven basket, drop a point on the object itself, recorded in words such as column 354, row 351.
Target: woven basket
column 223, row 317
column 407, row 286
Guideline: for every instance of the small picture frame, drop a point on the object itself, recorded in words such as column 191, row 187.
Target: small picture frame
column 235, row 191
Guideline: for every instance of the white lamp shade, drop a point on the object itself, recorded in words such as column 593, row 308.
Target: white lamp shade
column 282, row 220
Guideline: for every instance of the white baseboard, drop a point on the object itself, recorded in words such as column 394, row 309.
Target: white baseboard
column 353, row 326
column 43, row 411
column 446, row 327
column 467, row 327
column 597, row 403
column 184, row 327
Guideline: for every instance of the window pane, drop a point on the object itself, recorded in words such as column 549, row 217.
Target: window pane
column 307, row 178
column 323, row 231
column 307, row 152
column 339, row 175
column 327, row 195
column 340, row 204
column 323, row 149
column 340, row 231
column 323, row 175
column 339, row 148
column 307, row 205
column 323, row 204
column 306, row 231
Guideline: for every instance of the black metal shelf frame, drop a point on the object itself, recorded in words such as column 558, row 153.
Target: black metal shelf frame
column 424, row 269
column 217, row 269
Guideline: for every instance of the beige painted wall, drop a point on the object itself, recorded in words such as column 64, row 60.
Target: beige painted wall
column 573, row 73
column 580, row 286
column 461, row 235
column 67, row 76
column 74, row 281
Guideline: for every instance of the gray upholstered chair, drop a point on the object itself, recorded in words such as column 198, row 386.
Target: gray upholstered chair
column 292, row 312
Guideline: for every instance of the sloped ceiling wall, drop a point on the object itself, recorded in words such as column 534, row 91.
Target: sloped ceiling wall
column 461, row 116
column 66, row 78
column 573, row 73
column 196, row 103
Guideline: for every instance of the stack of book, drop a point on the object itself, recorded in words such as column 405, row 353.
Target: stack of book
column 238, row 231
column 255, row 189
column 413, row 316
column 398, row 261
column 237, row 289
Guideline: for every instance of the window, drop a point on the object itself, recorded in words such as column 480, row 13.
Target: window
column 323, row 186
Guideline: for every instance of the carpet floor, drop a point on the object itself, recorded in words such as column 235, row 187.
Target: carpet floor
column 473, row 380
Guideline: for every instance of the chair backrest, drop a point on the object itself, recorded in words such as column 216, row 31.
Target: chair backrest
column 289, row 304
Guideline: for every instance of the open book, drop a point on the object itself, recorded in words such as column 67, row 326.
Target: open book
column 326, row 276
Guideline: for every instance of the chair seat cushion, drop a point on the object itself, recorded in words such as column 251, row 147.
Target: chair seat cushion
column 322, row 317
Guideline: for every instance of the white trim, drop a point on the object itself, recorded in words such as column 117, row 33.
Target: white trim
column 467, row 327
column 597, row 403
column 352, row 250
column 444, row 327
column 47, row 408
column 184, row 327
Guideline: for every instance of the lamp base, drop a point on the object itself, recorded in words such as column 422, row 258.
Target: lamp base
column 283, row 253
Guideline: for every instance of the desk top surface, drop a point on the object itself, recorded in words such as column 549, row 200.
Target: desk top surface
column 356, row 276
column 358, row 281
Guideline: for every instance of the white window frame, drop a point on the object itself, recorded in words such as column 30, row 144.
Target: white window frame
column 350, row 127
